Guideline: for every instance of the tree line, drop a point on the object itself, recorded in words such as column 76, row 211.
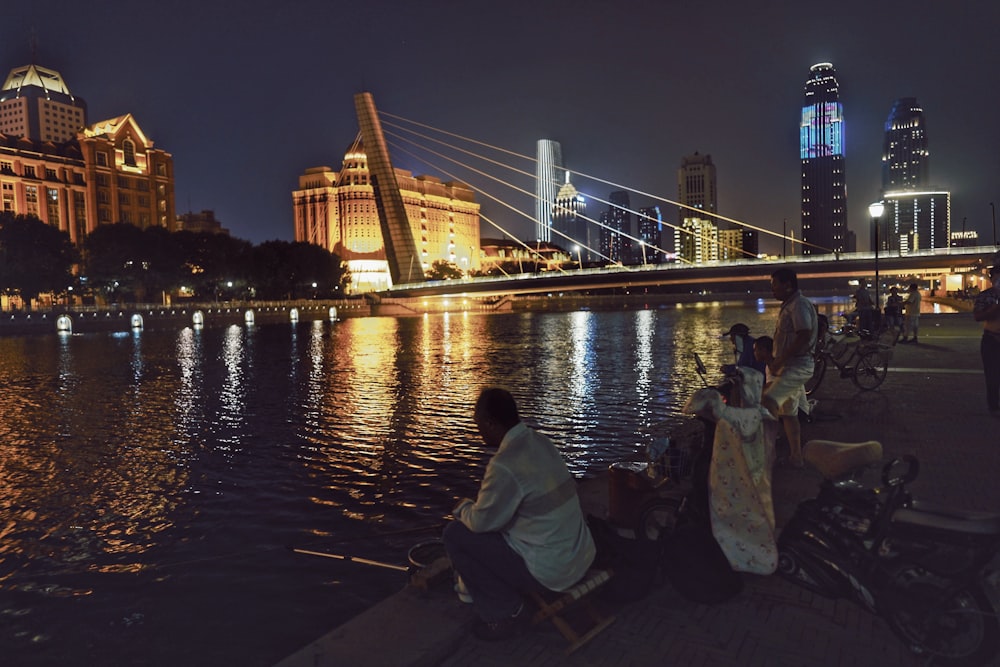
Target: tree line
column 124, row 263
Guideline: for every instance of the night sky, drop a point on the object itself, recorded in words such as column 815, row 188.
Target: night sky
column 246, row 95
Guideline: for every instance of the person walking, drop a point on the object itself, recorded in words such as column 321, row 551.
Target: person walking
column 986, row 309
column 525, row 531
column 792, row 364
column 911, row 322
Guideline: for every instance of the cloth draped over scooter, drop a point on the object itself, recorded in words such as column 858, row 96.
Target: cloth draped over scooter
column 739, row 484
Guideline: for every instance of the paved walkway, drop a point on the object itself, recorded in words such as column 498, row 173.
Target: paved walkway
column 932, row 405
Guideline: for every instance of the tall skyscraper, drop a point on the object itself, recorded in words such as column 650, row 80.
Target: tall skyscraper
column 917, row 216
column 616, row 220
column 696, row 187
column 905, row 160
column 651, row 234
column 821, row 149
column 569, row 219
column 548, row 179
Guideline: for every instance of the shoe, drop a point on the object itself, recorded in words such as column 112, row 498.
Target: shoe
column 462, row 591
column 504, row 628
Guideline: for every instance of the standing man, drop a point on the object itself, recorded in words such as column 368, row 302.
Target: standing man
column 792, row 364
column 987, row 310
column 525, row 531
column 894, row 312
column 911, row 323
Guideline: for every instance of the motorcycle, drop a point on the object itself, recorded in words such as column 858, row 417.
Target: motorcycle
column 924, row 568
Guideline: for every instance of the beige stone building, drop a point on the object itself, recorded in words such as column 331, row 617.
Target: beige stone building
column 71, row 174
column 337, row 210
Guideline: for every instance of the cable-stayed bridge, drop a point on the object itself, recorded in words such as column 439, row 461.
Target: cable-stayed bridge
column 467, row 160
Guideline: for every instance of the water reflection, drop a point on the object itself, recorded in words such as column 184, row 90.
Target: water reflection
column 125, row 453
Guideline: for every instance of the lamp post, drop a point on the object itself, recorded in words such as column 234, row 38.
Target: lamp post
column 993, row 210
column 875, row 211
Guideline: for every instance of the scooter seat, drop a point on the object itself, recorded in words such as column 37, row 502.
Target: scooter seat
column 930, row 515
column 836, row 459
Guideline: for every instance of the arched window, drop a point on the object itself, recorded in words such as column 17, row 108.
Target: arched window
column 129, row 147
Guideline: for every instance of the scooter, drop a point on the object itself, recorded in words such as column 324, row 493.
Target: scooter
column 924, row 568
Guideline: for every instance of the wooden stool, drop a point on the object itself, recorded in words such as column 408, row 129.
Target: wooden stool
column 577, row 598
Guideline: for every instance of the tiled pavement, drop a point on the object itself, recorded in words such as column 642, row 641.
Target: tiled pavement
column 932, row 405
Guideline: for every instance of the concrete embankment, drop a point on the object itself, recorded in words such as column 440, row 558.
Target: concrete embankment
column 932, row 405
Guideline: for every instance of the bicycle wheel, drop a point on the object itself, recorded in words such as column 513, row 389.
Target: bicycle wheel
column 871, row 369
column 819, row 370
column 658, row 519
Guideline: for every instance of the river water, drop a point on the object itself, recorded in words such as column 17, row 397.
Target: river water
column 152, row 482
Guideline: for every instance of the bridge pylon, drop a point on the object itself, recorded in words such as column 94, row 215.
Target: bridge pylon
column 397, row 235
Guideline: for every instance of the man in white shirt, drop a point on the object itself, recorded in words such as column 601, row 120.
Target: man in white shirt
column 525, row 531
column 792, row 365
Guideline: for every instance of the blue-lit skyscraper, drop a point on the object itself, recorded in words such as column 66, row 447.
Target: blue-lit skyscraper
column 548, row 179
column 821, row 148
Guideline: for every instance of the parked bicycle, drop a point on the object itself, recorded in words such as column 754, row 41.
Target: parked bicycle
column 855, row 354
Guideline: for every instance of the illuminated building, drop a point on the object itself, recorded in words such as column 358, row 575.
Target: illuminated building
column 500, row 255
column 917, row 216
column 569, row 220
column 75, row 176
column 697, row 241
column 548, row 179
column 651, row 234
column 337, row 210
column 615, row 221
column 821, row 149
column 696, row 186
column 36, row 103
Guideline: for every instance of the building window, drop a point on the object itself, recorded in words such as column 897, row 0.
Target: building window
column 102, row 159
column 7, row 167
column 29, row 171
column 8, row 197
column 31, row 199
column 129, row 148
column 102, row 179
column 161, row 169
column 51, row 175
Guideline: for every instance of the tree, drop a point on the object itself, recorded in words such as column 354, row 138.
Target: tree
column 442, row 270
column 212, row 261
column 115, row 257
column 34, row 257
column 283, row 270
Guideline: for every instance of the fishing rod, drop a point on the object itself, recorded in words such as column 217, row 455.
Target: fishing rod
column 351, row 559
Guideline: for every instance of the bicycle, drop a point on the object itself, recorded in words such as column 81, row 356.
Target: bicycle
column 867, row 364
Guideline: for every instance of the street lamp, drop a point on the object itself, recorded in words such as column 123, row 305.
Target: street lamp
column 993, row 210
column 875, row 211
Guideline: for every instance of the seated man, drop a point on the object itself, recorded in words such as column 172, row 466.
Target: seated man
column 525, row 531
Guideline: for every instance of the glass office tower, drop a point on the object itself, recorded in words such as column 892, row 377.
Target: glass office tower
column 821, row 147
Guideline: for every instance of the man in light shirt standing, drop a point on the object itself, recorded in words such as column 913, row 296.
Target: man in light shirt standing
column 792, row 364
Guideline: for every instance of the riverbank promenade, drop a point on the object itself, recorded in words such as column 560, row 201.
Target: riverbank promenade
column 932, row 405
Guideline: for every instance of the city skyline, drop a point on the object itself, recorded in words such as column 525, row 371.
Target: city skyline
column 247, row 96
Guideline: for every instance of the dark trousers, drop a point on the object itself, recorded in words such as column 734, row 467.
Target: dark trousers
column 989, row 348
column 495, row 574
